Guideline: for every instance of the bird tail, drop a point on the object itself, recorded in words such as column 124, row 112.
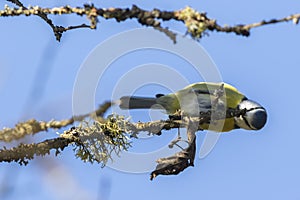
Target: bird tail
column 132, row 102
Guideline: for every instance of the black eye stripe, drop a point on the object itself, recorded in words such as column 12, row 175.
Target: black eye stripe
column 246, row 122
column 255, row 108
column 251, row 108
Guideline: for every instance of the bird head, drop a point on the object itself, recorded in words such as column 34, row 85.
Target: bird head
column 254, row 118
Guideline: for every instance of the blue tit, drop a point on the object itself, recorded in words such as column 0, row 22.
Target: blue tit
column 203, row 97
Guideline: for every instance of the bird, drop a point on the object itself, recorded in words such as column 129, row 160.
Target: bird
column 203, row 97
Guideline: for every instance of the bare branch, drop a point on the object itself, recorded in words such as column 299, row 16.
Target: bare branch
column 197, row 23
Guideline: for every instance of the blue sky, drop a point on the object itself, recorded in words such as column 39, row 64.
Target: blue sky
column 37, row 75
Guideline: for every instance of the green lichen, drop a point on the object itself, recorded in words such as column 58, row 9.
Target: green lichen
column 100, row 140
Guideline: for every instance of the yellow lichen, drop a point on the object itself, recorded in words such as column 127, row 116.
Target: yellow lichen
column 194, row 21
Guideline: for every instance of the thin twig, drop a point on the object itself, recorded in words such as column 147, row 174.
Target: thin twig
column 295, row 18
column 41, row 15
column 57, row 30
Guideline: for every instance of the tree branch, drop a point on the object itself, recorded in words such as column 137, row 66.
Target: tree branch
column 197, row 23
column 25, row 152
column 33, row 126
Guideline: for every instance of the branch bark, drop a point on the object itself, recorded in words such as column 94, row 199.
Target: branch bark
column 24, row 152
